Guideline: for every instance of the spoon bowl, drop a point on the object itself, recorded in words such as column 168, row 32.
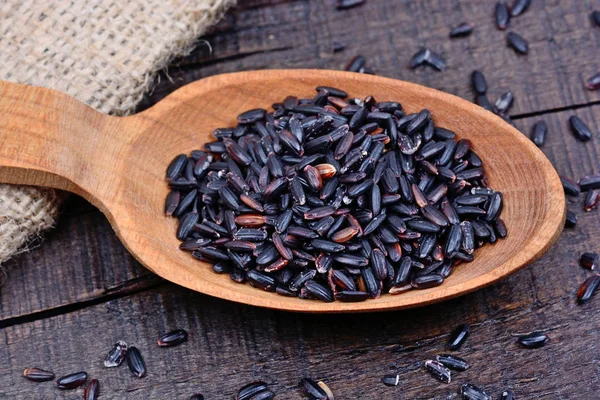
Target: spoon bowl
column 119, row 164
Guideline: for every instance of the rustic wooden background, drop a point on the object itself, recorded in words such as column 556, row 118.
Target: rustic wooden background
column 78, row 291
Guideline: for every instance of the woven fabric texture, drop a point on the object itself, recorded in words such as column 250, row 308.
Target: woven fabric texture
column 105, row 53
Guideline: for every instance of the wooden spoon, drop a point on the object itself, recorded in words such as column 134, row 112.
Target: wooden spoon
column 119, row 164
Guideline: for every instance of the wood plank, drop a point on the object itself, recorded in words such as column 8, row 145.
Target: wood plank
column 299, row 34
column 351, row 352
column 51, row 276
column 231, row 345
column 79, row 261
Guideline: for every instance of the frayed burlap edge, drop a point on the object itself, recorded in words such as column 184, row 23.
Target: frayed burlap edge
column 25, row 211
column 117, row 88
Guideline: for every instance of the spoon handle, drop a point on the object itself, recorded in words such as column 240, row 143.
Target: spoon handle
column 50, row 139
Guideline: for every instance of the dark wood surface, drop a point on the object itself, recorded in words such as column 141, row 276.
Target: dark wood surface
column 64, row 303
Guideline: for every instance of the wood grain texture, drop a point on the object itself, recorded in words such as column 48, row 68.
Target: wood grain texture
column 84, row 241
column 232, row 344
column 299, row 34
column 79, row 262
column 125, row 176
column 351, row 352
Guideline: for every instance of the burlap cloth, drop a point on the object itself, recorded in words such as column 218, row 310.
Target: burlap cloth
column 105, row 53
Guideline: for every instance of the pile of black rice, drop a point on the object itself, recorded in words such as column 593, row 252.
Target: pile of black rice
column 333, row 197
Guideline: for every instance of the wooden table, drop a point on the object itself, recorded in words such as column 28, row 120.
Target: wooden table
column 64, row 303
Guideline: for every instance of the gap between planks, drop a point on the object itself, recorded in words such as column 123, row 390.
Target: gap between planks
column 127, row 288
column 555, row 110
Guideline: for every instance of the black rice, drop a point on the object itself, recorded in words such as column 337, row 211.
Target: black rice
column 592, row 200
column 538, row 133
column 135, row 362
column 469, row 391
column 356, row 64
column 436, row 61
column 517, row 43
column 593, row 82
column 38, row 374
column 502, row 15
column 595, row 17
column 337, row 46
column 438, row 371
column 92, row 390
column 71, row 381
column 251, row 390
column 116, row 355
column 571, row 219
column 533, row 340
column 173, row 338
column 331, row 197
column 459, row 336
column 519, row 7
column 420, row 57
column 483, row 101
column 570, row 187
column 580, row 130
column 589, row 182
column 427, row 57
column 326, row 389
column 391, row 380
column 590, row 261
column 588, row 289
column 312, row 389
column 504, row 102
column 478, row 82
column 461, row 30
column 345, row 4
column 452, row 362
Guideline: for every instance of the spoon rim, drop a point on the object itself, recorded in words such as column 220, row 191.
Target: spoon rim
column 548, row 232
